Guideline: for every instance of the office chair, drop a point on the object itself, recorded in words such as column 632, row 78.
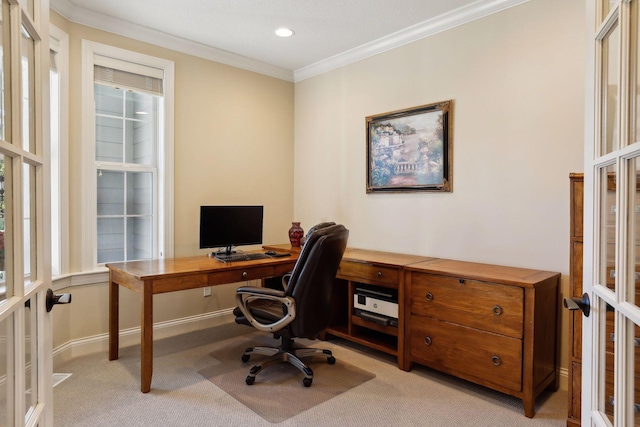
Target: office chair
column 287, row 276
column 302, row 310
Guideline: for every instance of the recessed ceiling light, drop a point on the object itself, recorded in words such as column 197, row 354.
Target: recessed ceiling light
column 284, row 32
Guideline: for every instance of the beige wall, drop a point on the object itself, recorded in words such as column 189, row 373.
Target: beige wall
column 233, row 145
column 517, row 82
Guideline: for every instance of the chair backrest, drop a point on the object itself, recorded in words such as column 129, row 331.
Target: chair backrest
column 313, row 277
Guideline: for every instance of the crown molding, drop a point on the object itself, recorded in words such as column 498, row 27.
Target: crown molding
column 476, row 10
column 460, row 16
column 99, row 21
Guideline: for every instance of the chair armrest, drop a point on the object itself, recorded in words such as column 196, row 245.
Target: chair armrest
column 255, row 290
column 285, row 280
column 246, row 294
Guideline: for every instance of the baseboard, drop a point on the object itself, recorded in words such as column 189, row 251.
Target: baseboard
column 564, row 379
column 100, row 343
column 131, row 336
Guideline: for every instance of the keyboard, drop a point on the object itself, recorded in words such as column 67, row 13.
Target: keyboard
column 241, row 257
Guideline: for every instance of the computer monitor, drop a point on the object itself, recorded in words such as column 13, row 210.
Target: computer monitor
column 229, row 226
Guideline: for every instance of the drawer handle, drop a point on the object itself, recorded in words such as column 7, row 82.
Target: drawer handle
column 496, row 361
column 461, row 281
column 244, row 274
column 497, row 310
column 427, row 341
column 429, row 296
column 379, row 273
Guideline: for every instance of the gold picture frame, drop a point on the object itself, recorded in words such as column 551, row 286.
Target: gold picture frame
column 411, row 149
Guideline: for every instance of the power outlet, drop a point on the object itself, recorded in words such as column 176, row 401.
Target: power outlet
column 207, row 291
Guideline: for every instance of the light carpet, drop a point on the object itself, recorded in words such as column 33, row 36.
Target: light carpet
column 103, row 393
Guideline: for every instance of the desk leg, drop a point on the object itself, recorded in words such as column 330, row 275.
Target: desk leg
column 114, row 328
column 146, row 336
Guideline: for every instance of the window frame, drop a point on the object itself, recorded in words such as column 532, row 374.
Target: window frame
column 59, row 43
column 165, row 151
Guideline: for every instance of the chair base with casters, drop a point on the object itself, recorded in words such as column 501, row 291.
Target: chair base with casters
column 302, row 309
column 286, row 353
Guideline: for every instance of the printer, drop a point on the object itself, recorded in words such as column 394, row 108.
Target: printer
column 376, row 304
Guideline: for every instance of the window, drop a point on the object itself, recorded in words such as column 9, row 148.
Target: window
column 59, row 113
column 127, row 127
column 127, row 124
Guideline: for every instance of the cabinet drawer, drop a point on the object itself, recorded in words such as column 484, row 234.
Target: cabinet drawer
column 240, row 275
column 486, row 306
column 364, row 272
column 478, row 356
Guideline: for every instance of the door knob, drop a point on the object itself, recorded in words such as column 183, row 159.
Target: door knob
column 53, row 299
column 583, row 304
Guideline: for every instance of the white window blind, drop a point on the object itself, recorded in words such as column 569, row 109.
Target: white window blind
column 128, row 75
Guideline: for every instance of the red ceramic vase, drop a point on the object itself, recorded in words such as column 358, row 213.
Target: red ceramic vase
column 295, row 234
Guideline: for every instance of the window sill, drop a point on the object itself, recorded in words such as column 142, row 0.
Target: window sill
column 97, row 276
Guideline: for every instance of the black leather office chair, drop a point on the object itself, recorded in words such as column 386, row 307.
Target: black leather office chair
column 302, row 310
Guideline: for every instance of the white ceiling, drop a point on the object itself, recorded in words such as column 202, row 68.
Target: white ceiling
column 328, row 33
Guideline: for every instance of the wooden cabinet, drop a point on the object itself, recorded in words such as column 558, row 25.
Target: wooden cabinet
column 575, row 290
column 574, row 407
column 364, row 267
column 493, row 325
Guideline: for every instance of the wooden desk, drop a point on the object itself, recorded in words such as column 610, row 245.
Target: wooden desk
column 168, row 275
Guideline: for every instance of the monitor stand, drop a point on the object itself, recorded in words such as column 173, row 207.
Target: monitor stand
column 228, row 251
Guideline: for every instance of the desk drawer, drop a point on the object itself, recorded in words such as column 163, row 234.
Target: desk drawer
column 478, row 356
column 282, row 269
column 482, row 305
column 364, row 272
column 240, row 275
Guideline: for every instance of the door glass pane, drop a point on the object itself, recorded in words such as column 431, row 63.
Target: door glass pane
column 31, row 357
column 29, row 221
column 3, row 289
column 27, row 49
column 634, row 366
column 5, row 372
column 634, row 231
column 3, row 94
column 609, row 120
column 607, row 229
column 609, row 360
column 634, row 79
column 28, row 6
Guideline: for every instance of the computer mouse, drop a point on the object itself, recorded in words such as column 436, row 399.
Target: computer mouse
column 271, row 253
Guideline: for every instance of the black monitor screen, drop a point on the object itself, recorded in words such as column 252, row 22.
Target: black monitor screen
column 228, row 226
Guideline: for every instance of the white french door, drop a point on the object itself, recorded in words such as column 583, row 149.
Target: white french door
column 25, row 266
column 611, row 335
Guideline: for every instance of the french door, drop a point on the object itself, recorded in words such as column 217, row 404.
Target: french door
column 611, row 332
column 25, row 266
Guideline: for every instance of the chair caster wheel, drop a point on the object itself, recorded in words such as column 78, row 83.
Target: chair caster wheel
column 245, row 357
column 331, row 360
column 250, row 380
column 307, row 382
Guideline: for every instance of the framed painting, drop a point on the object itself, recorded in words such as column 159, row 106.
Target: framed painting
column 411, row 149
